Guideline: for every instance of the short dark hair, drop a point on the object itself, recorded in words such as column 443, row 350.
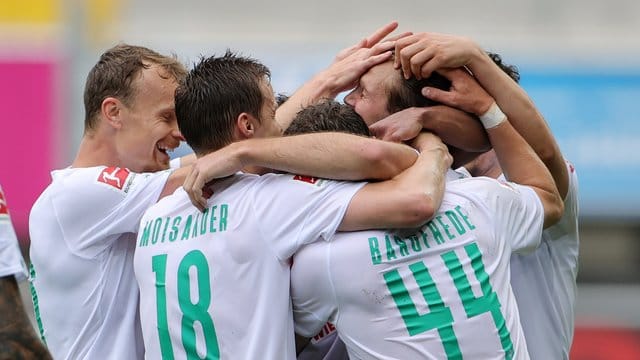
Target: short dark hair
column 328, row 115
column 408, row 92
column 510, row 70
column 214, row 93
column 114, row 73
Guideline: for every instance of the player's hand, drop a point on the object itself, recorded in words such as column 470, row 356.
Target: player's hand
column 350, row 63
column 421, row 54
column 465, row 94
column 344, row 74
column 374, row 38
column 400, row 126
column 429, row 142
column 218, row 164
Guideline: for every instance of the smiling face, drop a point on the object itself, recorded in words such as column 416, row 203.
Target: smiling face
column 370, row 98
column 149, row 126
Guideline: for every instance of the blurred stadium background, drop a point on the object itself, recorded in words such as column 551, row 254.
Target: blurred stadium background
column 579, row 61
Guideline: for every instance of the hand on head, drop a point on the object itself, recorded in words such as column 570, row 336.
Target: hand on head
column 421, row 54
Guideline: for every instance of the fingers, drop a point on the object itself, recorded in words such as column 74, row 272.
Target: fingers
column 381, row 47
column 441, row 96
column 400, row 36
column 376, row 59
column 350, row 50
column 414, row 57
column 381, row 33
column 192, row 185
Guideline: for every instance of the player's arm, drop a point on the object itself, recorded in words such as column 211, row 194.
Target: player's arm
column 341, row 75
column 455, row 127
column 409, row 199
column 518, row 160
column 326, row 155
column 423, row 53
column 461, row 131
column 18, row 339
column 523, row 116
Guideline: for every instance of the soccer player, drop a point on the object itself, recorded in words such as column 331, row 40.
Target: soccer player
column 17, row 337
column 215, row 283
column 544, row 282
column 440, row 290
column 83, row 226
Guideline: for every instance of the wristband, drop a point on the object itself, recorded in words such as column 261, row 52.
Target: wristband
column 493, row 117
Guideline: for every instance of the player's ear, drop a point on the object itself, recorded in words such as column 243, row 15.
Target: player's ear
column 111, row 110
column 246, row 125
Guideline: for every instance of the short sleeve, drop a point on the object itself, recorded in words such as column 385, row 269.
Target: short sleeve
column 518, row 215
column 515, row 210
column 297, row 210
column 96, row 207
column 312, row 294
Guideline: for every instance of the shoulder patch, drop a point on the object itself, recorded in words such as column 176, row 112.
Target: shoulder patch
column 116, row 177
column 309, row 179
column 4, row 209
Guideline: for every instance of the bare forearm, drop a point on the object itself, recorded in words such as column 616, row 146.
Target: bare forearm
column 308, row 94
column 428, row 175
column 457, row 128
column 521, row 165
column 17, row 337
column 329, row 155
column 522, row 114
column 406, row 201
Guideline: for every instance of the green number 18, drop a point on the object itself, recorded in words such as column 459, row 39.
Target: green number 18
column 191, row 312
column 439, row 316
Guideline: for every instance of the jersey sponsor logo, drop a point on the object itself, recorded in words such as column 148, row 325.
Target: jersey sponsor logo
column 4, row 209
column 327, row 329
column 115, row 177
column 310, row 180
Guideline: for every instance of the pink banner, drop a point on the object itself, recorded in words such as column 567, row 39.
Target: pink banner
column 27, row 135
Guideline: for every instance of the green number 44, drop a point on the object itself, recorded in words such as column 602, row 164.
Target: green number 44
column 191, row 312
column 439, row 316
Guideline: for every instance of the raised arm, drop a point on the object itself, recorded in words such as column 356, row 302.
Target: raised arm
column 341, row 75
column 455, row 127
column 327, row 155
column 517, row 159
column 423, row 53
column 409, row 199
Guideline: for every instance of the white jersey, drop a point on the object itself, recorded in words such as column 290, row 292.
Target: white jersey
column 215, row 284
column 431, row 293
column 82, row 231
column 326, row 345
column 11, row 261
column 544, row 283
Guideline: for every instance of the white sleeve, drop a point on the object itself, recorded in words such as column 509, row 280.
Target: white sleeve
column 516, row 211
column 297, row 210
column 175, row 163
column 519, row 215
column 100, row 211
column 312, row 295
column 11, row 261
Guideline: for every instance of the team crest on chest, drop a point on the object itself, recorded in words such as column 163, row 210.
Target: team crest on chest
column 117, row 178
